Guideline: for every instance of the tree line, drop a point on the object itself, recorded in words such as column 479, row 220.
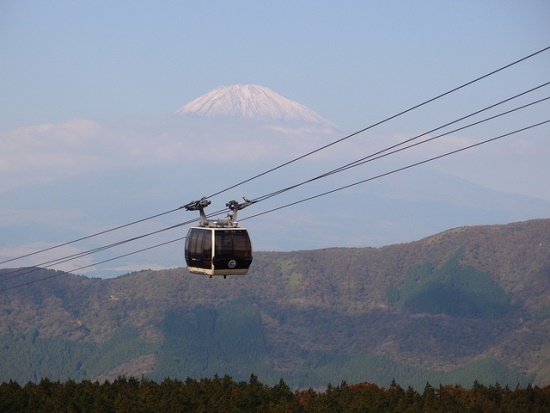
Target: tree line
column 223, row 394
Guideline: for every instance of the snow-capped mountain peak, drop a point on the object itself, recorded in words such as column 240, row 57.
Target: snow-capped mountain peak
column 249, row 101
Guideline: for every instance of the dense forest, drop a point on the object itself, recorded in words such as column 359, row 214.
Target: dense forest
column 467, row 304
column 223, row 394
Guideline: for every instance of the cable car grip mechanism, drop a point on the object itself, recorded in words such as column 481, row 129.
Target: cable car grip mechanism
column 231, row 220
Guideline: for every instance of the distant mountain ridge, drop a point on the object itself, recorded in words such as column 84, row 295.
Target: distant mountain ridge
column 250, row 101
column 466, row 304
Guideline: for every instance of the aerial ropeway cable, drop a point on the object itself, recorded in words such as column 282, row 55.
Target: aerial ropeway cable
column 377, row 155
column 417, row 106
column 462, row 86
column 396, row 148
column 312, row 197
column 401, row 169
column 89, row 236
column 52, row 263
column 90, row 265
column 361, row 161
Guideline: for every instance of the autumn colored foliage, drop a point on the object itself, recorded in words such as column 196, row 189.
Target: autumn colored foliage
column 223, row 394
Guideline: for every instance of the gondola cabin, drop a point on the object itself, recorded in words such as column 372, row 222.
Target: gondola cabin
column 218, row 251
column 218, row 247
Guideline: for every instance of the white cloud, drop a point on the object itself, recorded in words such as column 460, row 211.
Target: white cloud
column 43, row 153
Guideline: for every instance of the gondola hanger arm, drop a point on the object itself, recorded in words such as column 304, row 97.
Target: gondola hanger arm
column 233, row 206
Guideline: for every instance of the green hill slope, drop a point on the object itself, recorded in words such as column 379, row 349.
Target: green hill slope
column 467, row 304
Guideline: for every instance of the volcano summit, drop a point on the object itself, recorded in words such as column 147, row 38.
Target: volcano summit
column 250, row 101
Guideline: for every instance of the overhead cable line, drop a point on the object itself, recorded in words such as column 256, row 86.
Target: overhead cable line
column 90, row 265
column 382, row 121
column 377, row 155
column 305, row 199
column 89, row 236
column 399, row 169
column 295, row 159
column 52, row 263
column 459, row 120
column 48, row 264
column 385, row 152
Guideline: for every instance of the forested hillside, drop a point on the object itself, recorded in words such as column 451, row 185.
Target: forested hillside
column 467, row 304
column 222, row 394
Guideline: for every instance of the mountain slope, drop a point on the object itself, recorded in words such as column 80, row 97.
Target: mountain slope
column 469, row 303
column 249, row 101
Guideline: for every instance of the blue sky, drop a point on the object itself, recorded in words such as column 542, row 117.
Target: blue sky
column 352, row 61
column 85, row 87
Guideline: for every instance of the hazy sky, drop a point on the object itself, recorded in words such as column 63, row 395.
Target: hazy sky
column 352, row 61
column 75, row 74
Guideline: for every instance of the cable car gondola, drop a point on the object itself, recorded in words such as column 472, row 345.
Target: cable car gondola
column 218, row 247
